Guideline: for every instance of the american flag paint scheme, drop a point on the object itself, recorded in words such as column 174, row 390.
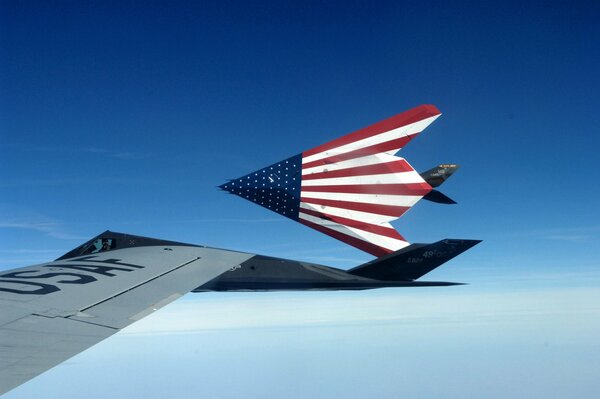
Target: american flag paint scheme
column 350, row 188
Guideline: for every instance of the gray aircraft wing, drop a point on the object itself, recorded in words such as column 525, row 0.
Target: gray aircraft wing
column 52, row 311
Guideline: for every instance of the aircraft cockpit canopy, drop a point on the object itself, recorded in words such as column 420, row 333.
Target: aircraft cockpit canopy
column 100, row 245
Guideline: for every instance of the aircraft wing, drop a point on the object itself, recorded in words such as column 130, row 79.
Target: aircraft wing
column 52, row 311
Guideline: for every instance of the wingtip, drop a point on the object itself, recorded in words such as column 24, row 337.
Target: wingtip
column 430, row 108
column 465, row 243
column 225, row 187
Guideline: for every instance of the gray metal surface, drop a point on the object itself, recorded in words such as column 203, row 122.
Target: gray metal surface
column 52, row 311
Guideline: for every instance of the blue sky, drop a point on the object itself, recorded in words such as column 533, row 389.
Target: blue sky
column 127, row 115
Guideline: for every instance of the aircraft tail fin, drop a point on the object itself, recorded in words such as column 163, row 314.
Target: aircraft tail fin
column 435, row 177
column 414, row 261
column 438, row 197
column 349, row 188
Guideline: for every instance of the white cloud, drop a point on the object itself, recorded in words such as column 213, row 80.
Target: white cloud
column 110, row 153
column 435, row 307
column 51, row 229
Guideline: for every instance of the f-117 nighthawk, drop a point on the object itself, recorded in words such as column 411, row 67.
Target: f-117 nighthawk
column 349, row 188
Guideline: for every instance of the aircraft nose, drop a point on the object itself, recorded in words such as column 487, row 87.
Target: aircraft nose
column 276, row 187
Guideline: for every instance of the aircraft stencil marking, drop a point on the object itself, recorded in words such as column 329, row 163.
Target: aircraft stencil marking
column 46, row 288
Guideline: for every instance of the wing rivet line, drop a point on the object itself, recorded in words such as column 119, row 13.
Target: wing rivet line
column 142, row 283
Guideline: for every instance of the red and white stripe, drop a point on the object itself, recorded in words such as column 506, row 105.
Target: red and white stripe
column 352, row 187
